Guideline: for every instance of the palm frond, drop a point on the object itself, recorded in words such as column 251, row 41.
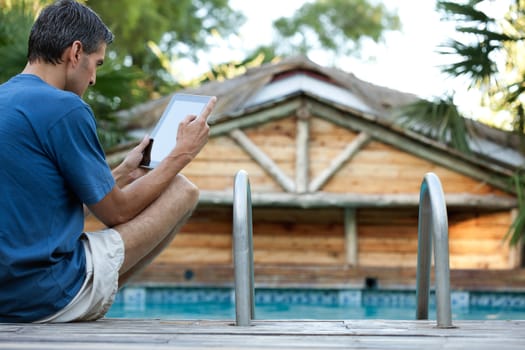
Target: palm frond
column 516, row 231
column 438, row 119
column 474, row 62
column 489, row 35
column 465, row 12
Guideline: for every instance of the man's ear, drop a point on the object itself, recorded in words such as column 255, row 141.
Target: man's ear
column 74, row 52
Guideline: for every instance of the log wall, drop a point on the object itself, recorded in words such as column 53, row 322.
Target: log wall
column 386, row 238
column 293, row 237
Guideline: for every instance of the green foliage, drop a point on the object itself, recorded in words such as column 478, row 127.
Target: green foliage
column 179, row 27
column 151, row 34
column 517, row 230
column 482, row 40
column 438, row 119
column 229, row 70
column 490, row 54
column 15, row 24
column 334, row 25
column 118, row 86
column 485, row 43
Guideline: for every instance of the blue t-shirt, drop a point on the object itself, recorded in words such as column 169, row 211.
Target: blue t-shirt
column 51, row 162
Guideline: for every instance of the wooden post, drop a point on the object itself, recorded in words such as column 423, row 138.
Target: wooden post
column 351, row 246
column 302, row 164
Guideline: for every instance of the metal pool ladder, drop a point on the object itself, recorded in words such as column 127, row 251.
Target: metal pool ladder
column 243, row 250
column 433, row 222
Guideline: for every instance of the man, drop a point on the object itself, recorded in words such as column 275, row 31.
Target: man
column 52, row 164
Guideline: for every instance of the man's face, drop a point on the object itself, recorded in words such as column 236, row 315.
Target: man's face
column 84, row 74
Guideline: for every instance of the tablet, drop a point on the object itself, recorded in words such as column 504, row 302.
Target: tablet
column 164, row 135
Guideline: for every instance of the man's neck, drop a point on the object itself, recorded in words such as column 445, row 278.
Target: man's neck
column 52, row 74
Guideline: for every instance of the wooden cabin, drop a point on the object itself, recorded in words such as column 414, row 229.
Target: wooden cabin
column 335, row 187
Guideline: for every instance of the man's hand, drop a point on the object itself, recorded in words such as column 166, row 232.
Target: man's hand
column 129, row 170
column 193, row 133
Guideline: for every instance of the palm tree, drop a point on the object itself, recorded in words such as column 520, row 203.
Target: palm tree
column 489, row 55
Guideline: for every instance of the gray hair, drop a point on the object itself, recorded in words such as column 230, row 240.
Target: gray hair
column 62, row 23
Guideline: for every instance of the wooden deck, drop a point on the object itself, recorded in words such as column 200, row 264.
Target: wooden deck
column 112, row 334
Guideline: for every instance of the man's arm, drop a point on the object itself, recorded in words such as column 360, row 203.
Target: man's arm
column 129, row 170
column 123, row 204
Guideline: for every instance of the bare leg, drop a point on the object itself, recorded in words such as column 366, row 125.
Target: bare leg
column 144, row 262
column 152, row 230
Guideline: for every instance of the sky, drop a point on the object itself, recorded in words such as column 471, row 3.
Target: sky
column 407, row 60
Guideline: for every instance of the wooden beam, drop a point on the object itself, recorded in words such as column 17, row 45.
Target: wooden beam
column 351, row 243
column 257, row 116
column 413, row 144
column 302, row 163
column 324, row 200
column 350, row 150
column 263, row 160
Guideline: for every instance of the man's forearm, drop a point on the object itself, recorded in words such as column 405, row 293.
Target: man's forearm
column 123, row 204
column 122, row 175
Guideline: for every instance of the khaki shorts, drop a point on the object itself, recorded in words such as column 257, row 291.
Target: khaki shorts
column 104, row 257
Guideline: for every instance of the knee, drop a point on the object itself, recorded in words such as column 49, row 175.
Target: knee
column 188, row 189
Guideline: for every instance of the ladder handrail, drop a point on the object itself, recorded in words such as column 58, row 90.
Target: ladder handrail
column 433, row 226
column 243, row 250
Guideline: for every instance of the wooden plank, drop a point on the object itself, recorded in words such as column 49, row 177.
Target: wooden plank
column 224, row 184
column 285, row 275
column 194, row 255
column 299, row 229
column 301, row 257
column 261, row 117
column 294, row 215
column 112, row 334
column 227, row 169
column 478, row 262
column 387, row 245
column 212, row 241
column 275, row 242
column 221, row 148
column 281, row 131
column 382, row 259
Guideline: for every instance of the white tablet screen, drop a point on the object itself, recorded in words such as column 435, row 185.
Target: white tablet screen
column 165, row 133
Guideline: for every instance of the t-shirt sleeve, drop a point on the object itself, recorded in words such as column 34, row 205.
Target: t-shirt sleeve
column 75, row 148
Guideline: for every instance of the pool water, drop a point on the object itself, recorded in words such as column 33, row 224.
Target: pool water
column 280, row 304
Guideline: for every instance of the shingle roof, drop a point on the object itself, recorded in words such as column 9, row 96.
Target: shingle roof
column 274, row 81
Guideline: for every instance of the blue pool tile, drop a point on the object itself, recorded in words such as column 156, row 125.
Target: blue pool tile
column 460, row 299
column 134, row 298
column 498, row 300
column 350, row 298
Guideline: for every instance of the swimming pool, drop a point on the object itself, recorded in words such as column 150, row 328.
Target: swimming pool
column 325, row 304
